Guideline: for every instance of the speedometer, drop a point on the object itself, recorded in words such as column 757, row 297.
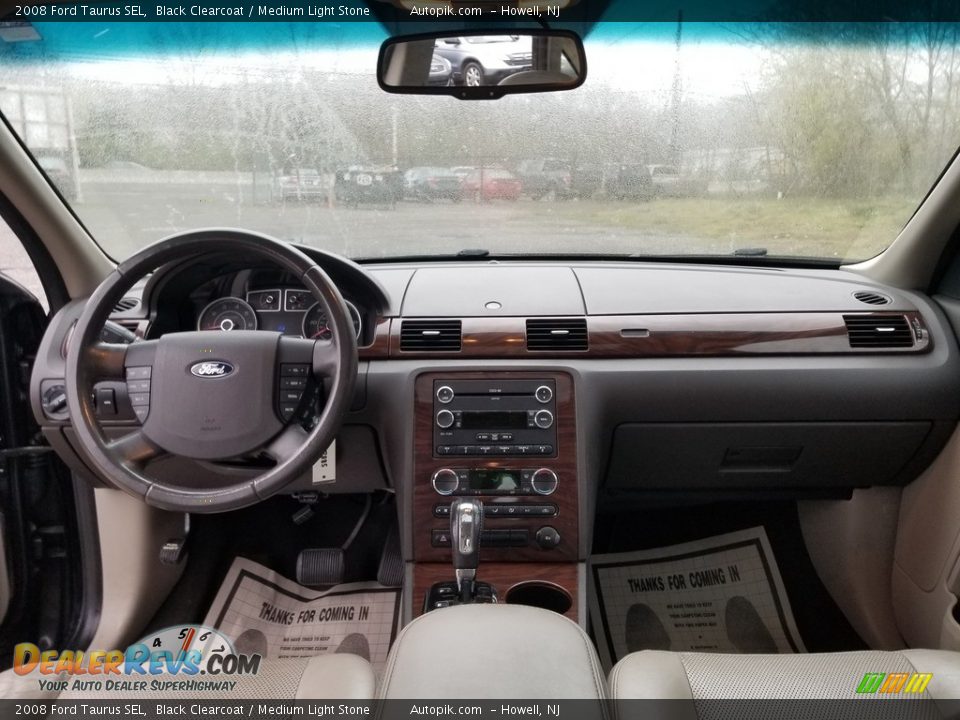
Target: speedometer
column 227, row 314
column 316, row 324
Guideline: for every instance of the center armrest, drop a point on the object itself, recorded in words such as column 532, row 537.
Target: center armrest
column 493, row 651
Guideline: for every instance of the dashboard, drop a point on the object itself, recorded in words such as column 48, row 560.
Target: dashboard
column 560, row 391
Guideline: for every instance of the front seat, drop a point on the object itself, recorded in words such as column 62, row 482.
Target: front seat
column 323, row 677
column 661, row 675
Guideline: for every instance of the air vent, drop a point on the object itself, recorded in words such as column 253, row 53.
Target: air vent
column 557, row 334
column 124, row 304
column 430, row 336
column 872, row 298
column 878, row 331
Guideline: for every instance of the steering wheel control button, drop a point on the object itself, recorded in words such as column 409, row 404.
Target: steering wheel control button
column 293, row 383
column 138, row 386
column 543, row 419
column 547, row 537
column 106, row 400
column 445, row 394
column 294, row 370
column 445, row 419
column 544, row 481
column 544, row 394
column 138, row 390
column 291, row 396
column 141, row 372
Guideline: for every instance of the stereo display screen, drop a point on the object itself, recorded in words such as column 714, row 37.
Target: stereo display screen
column 493, row 420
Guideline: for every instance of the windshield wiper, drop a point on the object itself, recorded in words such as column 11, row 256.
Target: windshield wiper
column 473, row 253
column 751, row 252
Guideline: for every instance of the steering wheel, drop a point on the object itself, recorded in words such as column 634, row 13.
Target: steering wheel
column 211, row 395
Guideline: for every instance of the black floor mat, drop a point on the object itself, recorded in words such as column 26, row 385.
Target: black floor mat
column 820, row 622
column 266, row 533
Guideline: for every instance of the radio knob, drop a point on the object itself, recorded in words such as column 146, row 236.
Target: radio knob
column 543, row 419
column 445, row 419
column 445, row 394
column 544, row 481
column 544, row 394
column 445, row 481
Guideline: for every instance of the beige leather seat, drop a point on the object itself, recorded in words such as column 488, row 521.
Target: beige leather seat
column 504, row 652
column 659, row 675
column 324, row 677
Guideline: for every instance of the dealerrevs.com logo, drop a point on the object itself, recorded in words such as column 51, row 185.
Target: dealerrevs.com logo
column 894, row 683
column 178, row 658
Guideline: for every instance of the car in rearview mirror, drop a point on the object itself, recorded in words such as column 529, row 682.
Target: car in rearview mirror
column 483, row 65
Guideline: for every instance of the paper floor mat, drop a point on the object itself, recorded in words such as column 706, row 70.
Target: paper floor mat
column 265, row 613
column 719, row 594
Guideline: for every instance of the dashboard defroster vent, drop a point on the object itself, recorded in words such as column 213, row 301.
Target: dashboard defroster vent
column 430, row 336
column 557, row 334
column 126, row 303
column 872, row 298
column 878, row 331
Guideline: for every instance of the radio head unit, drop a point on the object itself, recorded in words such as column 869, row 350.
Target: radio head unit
column 506, row 418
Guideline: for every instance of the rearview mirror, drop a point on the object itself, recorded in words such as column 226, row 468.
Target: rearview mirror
column 482, row 65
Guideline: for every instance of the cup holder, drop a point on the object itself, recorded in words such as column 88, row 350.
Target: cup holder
column 537, row 593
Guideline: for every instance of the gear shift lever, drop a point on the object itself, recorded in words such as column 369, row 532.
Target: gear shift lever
column 466, row 522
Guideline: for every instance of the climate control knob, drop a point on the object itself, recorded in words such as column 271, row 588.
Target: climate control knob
column 445, row 481
column 445, row 419
column 544, row 481
column 543, row 419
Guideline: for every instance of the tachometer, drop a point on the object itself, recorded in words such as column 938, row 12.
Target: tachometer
column 316, row 324
column 227, row 314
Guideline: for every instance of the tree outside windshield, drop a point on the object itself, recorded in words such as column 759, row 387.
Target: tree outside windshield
column 685, row 140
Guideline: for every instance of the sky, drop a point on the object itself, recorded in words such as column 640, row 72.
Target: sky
column 630, row 56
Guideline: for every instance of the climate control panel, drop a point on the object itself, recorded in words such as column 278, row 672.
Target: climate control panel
column 501, row 481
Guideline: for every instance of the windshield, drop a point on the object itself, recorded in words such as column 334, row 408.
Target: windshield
column 691, row 139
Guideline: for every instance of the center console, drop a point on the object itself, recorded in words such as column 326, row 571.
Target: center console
column 507, row 439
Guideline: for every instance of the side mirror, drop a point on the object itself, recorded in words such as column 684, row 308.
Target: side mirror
column 482, row 65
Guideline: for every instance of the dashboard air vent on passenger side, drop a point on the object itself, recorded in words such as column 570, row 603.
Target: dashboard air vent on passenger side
column 430, row 336
column 557, row 334
column 872, row 298
column 126, row 303
column 878, row 331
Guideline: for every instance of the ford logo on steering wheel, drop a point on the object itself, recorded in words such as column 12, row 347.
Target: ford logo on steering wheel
column 211, row 368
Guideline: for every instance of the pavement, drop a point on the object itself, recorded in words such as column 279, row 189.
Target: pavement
column 126, row 217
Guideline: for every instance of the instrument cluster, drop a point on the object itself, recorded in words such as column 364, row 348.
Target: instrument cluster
column 292, row 311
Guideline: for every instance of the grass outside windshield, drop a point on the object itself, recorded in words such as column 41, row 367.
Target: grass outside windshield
column 686, row 139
